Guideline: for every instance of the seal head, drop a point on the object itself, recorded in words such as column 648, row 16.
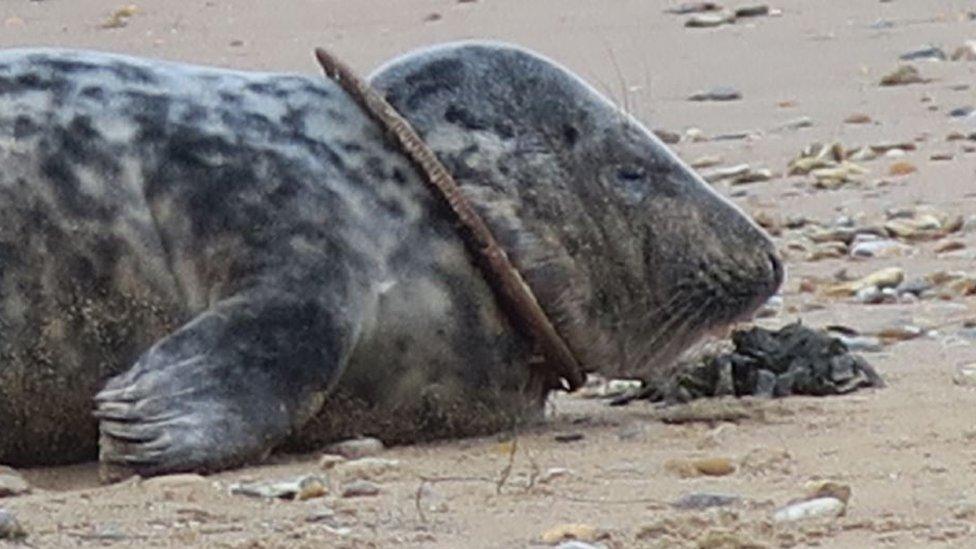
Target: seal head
column 632, row 255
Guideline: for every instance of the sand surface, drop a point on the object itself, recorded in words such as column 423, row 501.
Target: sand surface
column 908, row 452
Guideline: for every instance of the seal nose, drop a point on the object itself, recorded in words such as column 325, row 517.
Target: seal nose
column 776, row 271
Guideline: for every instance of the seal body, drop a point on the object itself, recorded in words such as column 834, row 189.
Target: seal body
column 217, row 262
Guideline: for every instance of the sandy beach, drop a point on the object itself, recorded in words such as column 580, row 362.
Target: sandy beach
column 806, row 72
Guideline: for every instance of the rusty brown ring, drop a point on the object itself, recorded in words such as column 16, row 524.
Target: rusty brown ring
column 509, row 286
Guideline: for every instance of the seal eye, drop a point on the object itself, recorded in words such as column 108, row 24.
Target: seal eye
column 632, row 184
column 630, row 174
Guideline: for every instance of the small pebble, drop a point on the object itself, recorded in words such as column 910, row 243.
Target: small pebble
column 709, row 20
column 356, row 448
column 758, row 10
column 367, row 469
column 814, row 508
column 704, row 500
column 720, row 93
column 965, row 376
column 360, row 488
column 570, row 532
column 12, row 483
column 926, row 53
column 10, row 527
column 329, row 461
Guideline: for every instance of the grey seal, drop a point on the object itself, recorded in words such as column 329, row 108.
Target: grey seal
column 221, row 263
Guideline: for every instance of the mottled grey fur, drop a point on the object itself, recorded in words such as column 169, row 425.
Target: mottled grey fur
column 216, row 254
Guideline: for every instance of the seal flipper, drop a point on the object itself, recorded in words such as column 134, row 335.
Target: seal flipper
column 225, row 388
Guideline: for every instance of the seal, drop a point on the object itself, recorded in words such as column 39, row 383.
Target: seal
column 224, row 262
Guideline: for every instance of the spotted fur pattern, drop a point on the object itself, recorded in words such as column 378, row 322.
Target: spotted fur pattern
column 228, row 261
column 243, row 240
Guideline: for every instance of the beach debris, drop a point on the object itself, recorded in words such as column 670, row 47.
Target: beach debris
column 299, row 488
column 794, row 360
column 903, row 75
column 718, row 93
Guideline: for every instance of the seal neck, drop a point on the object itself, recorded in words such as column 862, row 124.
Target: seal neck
column 509, row 287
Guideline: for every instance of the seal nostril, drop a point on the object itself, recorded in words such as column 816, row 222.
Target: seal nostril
column 776, row 266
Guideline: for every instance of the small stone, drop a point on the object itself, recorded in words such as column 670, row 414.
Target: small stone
column 174, row 481
column 431, row 17
column 356, row 448
column 941, row 157
column 949, row 246
column 758, row 10
column 798, row 123
column 962, row 112
column 827, row 488
column 568, row 437
column 706, row 162
column 329, row 461
column 926, row 53
column 704, row 500
column 815, row 508
column 10, row 527
column 12, row 483
column 730, row 172
column 965, row 376
column 965, row 52
column 302, row 487
column 667, row 136
column 120, row 17
column 878, row 248
column 360, row 488
column 902, row 168
column 570, row 532
column 694, row 7
column 689, row 468
column 709, row 20
column 321, row 514
column 575, row 544
column 885, row 278
column 367, row 468
column 858, row 118
column 752, row 176
column 554, row 473
column 900, row 332
column 720, row 93
column 886, row 147
column 861, row 344
column 906, row 74
column 869, row 295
